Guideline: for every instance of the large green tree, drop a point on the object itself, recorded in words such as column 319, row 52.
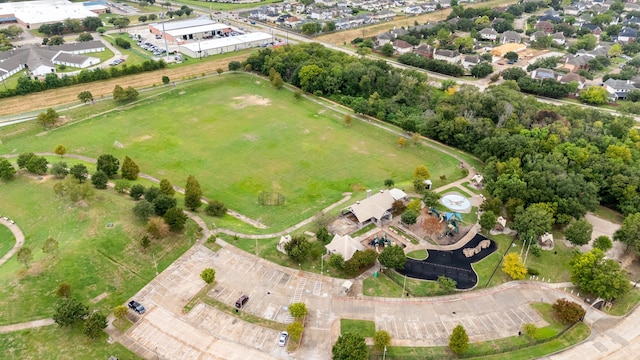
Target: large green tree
column 298, row 248
column 93, row 326
column 48, row 118
column 594, row 95
column 99, row 180
column 192, row 194
column 69, row 312
column 162, row 203
column 629, row 232
column 579, row 232
column 350, row 347
column 392, row 257
column 533, row 222
column 37, row 165
column 108, row 164
column 25, row 256
column 601, row 277
column 143, row 210
column 130, row 169
column 176, row 219
column 80, row 172
column 166, row 187
column 6, row 169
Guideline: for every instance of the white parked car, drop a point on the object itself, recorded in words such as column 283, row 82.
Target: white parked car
column 282, row 340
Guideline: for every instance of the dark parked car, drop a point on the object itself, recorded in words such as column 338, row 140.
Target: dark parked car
column 243, row 300
column 136, row 306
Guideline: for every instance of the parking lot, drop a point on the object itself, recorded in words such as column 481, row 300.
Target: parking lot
column 165, row 329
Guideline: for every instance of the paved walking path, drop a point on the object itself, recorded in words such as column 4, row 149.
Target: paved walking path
column 17, row 235
column 26, row 325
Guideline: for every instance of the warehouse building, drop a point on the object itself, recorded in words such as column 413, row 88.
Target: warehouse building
column 32, row 14
column 179, row 32
column 223, row 45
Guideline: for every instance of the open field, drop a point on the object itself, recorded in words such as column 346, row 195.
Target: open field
column 270, row 142
column 7, row 241
column 364, row 328
column 225, row 6
column 340, row 37
column 93, row 258
column 52, row 343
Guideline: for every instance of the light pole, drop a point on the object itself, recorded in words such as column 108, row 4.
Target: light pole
column 164, row 35
column 404, row 284
column 384, row 355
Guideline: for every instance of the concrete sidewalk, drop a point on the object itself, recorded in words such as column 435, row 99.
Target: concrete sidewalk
column 26, row 325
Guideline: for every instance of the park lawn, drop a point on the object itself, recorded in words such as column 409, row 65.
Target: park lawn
column 364, row 328
column 382, row 286
column 418, row 254
column 625, row 303
column 7, row 240
column 213, row 130
column 54, row 343
column 486, row 267
column 415, row 287
column 92, row 258
column 552, row 264
column 609, row 214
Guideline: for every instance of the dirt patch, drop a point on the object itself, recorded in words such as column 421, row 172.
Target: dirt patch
column 251, row 137
column 250, row 100
column 143, row 138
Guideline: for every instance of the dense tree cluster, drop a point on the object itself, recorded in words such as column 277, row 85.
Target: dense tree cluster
column 89, row 23
column 568, row 157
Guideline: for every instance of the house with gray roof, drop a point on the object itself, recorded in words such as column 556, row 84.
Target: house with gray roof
column 488, row 34
column 618, row 89
column 375, row 209
column 509, row 37
column 543, row 74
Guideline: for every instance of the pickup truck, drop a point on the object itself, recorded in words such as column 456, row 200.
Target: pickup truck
column 136, row 306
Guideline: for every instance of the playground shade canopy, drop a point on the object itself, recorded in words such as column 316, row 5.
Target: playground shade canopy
column 344, row 245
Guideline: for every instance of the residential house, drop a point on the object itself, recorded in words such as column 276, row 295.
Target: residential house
column 488, row 34
column 544, row 26
column 384, row 38
column 413, row 10
column 342, row 24
column 40, row 61
column 559, row 38
column 292, row 22
column 425, row 50
column 634, row 20
column 402, row 47
column 629, row 6
column 573, row 77
column 575, row 63
column 509, row 37
column 398, row 32
column 551, row 18
column 537, row 35
column 618, row 89
column 594, row 29
column 543, row 74
column 627, row 35
column 469, row 61
column 385, row 15
column 572, row 10
column 450, row 56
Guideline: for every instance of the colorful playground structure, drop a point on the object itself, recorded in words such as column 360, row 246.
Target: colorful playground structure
column 380, row 241
column 451, row 219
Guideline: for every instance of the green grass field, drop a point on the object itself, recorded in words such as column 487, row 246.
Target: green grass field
column 7, row 241
column 216, row 129
column 53, row 343
column 364, row 328
column 92, row 258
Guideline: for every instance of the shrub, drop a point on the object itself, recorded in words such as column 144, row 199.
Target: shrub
column 157, row 228
column 208, row 275
column 381, row 339
column 298, row 310
column 136, row 191
column 459, row 340
column 513, row 266
column 530, row 330
column 295, row 331
column 603, row 243
column 63, row 290
column 568, row 312
column 336, row 261
column 532, row 271
column 215, row 208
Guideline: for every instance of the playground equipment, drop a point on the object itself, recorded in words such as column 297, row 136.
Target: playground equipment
column 452, row 219
column 434, row 211
column 384, row 240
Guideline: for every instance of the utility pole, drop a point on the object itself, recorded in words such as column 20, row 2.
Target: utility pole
column 164, row 35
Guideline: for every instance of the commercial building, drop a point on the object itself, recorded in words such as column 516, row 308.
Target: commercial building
column 31, row 14
column 223, row 45
column 179, row 32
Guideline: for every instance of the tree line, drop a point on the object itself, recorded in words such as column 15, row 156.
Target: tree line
column 26, row 85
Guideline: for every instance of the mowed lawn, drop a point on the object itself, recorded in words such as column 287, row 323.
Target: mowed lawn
column 92, row 258
column 7, row 241
column 240, row 137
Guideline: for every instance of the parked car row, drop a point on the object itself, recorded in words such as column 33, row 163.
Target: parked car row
column 7, row 220
column 155, row 49
column 116, row 62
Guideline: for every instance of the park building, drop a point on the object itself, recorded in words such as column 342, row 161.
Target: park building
column 32, row 14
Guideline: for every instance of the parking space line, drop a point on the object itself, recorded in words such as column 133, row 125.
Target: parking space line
column 415, row 327
column 396, row 328
column 253, row 263
column 517, row 316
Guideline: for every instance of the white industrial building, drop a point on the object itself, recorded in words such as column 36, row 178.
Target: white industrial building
column 223, row 45
column 177, row 32
column 34, row 13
